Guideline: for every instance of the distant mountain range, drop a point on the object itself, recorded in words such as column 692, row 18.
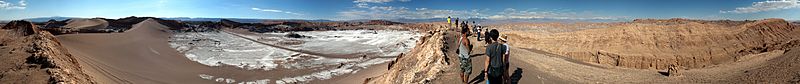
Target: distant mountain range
column 403, row 20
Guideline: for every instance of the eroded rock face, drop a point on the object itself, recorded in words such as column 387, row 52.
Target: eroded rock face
column 32, row 56
column 423, row 64
column 656, row 44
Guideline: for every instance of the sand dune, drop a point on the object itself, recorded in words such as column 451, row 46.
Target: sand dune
column 86, row 24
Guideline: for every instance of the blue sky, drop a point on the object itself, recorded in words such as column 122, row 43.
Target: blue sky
column 410, row 9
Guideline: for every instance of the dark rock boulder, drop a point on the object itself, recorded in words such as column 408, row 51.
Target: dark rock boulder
column 295, row 35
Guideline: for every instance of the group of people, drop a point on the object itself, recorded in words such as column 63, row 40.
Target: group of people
column 497, row 53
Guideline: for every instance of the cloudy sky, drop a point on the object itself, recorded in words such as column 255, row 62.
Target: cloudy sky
column 408, row 9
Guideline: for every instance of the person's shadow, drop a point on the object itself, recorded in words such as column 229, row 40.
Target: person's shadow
column 515, row 77
column 480, row 78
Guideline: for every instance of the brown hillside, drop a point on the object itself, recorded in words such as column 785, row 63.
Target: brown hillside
column 33, row 56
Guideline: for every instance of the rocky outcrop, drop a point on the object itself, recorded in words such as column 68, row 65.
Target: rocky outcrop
column 423, row 64
column 33, row 56
column 657, row 44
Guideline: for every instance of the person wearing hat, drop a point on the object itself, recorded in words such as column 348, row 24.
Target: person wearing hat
column 504, row 41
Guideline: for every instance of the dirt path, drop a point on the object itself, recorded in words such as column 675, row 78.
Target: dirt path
column 523, row 69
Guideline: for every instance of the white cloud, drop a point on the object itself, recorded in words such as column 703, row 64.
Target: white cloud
column 373, row 1
column 22, row 3
column 362, row 5
column 391, row 12
column 8, row 6
column 766, row 6
column 273, row 10
column 364, row 10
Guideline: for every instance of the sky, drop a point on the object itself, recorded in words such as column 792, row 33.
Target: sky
column 406, row 9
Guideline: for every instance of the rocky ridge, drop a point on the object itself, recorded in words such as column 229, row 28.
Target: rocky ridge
column 34, row 56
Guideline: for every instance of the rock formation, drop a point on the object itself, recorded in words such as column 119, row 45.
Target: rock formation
column 423, row 64
column 33, row 56
column 657, row 44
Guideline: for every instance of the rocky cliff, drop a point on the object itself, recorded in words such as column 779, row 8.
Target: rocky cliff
column 657, row 44
column 425, row 63
column 33, row 56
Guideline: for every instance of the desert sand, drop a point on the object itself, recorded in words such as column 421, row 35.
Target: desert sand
column 86, row 24
column 143, row 55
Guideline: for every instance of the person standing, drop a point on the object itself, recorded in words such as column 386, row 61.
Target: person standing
column 487, row 38
column 477, row 30
column 495, row 60
column 448, row 20
column 464, row 25
column 506, row 55
column 456, row 23
column 463, row 53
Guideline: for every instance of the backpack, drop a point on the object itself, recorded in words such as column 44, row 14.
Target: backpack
column 496, row 64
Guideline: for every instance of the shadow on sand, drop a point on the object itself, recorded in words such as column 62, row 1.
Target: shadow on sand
column 479, row 78
column 476, row 55
column 515, row 77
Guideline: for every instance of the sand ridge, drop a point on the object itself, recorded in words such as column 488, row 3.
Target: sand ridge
column 86, row 24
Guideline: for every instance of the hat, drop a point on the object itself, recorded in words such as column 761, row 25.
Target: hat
column 504, row 38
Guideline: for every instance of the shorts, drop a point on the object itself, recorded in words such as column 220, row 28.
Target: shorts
column 466, row 66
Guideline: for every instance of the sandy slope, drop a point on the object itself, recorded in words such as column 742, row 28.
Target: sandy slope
column 86, row 24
